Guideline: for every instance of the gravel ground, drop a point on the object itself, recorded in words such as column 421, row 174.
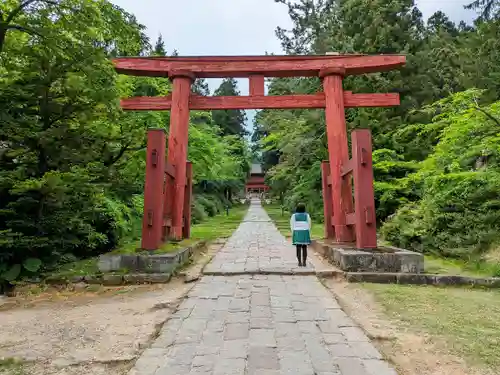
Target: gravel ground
column 104, row 332
column 107, row 332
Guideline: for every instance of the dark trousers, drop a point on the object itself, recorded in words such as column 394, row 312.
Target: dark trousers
column 303, row 249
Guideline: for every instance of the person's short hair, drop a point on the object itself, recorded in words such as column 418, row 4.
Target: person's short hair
column 301, row 207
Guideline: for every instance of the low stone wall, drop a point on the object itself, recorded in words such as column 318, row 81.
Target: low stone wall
column 422, row 279
column 147, row 263
column 129, row 269
column 113, row 279
column 386, row 259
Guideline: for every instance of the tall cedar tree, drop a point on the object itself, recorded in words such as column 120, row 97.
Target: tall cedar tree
column 232, row 121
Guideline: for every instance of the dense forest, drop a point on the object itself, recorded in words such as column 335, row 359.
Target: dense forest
column 436, row 157
column 71, row 161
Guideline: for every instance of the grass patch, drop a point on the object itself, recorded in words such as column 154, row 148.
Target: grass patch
column 169, row 247
column 79, row 268
column 282, row 221
column 436, row 265
column 218, row 226
column 466, row 319
column 11, row 366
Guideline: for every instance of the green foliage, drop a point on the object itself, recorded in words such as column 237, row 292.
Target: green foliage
column 392, row 188
column 488, row 8
column 458, row 213
column 71, row 161
column 198, row 213
column 210, row 206
column 231, row 121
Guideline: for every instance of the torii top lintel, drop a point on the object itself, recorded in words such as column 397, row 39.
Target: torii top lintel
column 245, row 66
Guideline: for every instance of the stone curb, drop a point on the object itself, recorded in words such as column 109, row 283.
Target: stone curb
column 259, row 272
column 329, row 274
column 135, row 278
column 388, row 260
column 422, row 279
column 113, row 279
column 147, row 263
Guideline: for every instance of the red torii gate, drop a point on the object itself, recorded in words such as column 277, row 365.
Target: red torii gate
column 167, row 203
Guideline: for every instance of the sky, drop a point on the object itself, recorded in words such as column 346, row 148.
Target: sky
column 235, row 27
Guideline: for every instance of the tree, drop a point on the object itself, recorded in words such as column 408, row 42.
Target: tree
column 71, row 161
column 200, row 87
column 43, row 20
column 457, row 213
column 159, row 48
column 59, row 142
column 434, row 162
column 439, row 22
column 13, row 14
column 437, row 66
column 232, row 121
column 311, row 19
column 488, row 8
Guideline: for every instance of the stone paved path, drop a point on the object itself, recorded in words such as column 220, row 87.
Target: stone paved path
column 260, row 324
column 256, row 247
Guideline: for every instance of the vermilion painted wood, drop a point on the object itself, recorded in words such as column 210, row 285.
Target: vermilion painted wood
column 269, row 66
column 164, row 103
column 168, row 189
column 153, row 190
column 348, row 167
column 256, row 179
column 179, row 120
column 256, row 85
column 173, row 135
column 327, row 201
column 169, row 169
column 186, row 231
column 256, row 186
column 350, row 218
column 364, row 194
column 168, row 193
column 338, row 152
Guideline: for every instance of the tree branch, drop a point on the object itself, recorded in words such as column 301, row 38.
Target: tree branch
column 123, row 149
column 489, row 115
column 139, row 148
column 114, row 159
column 18, row 10
column 24, row 30
column 486, row 113
column 23, row 5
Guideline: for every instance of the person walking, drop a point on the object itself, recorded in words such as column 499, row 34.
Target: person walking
column 300, row 224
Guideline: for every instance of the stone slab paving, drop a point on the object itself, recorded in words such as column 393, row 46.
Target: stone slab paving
column 257, row 247
column 260, row 324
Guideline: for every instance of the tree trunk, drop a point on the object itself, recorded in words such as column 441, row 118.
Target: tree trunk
column 3, row 33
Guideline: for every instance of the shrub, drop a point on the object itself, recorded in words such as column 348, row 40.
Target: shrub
column 458, row 216
column 198, row 213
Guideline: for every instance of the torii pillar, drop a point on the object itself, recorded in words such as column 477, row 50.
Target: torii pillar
column 178, row 146
column 338, row 151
